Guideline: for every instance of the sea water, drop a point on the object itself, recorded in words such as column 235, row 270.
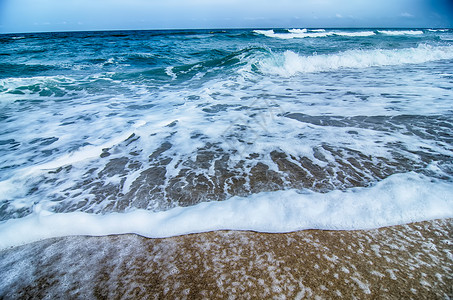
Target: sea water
column 163, row 133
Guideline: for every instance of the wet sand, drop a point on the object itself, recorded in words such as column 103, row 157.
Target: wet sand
column 412, row 261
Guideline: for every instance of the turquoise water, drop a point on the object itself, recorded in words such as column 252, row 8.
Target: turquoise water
column 114, row 122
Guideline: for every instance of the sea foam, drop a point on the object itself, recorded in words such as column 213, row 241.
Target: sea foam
column 401, row 32
column 109, row 142
column 293, row 33
column 398, row 199
column 360, row 33
column 290, row 63
column 316, row 33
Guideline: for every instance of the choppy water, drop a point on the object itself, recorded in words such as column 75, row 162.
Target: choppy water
column 104, row 122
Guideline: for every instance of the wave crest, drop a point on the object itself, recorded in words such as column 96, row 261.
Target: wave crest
column 312, row 33
column 293, row 33
column 401, row 32
column 290, row 63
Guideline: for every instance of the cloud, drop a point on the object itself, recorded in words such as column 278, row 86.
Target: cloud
column 406, row 15
column 339, row 16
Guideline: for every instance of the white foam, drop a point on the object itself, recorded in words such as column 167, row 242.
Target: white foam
column 290, row 63
column 401, row 32
column 304, row 33
column 399, row 199
column 15, row 82
column 293, row 33
column 352, row 34
column 169, row 72
column 298, row 30
column 264, row 32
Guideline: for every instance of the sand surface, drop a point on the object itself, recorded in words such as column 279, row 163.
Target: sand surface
column 412, row 261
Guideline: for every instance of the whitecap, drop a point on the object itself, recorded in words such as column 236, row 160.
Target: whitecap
column 401, row 32
column 304, row 33
column 293, row 33
column 290, row 63
column 354, row 34
column 298, row 30
column 169, row 72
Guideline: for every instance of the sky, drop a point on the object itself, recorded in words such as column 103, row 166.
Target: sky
column 18, row 16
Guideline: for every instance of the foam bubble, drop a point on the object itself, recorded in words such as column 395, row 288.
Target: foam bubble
column 398, row 199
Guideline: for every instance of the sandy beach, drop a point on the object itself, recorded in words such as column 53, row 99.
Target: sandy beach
column 400, row 262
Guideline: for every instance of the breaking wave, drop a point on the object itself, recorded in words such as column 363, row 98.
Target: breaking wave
column 401, row 32
column 305, row 33
column 290, row 63
column 314, row 33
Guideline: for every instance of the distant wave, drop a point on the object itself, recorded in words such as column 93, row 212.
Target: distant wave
column 360, row 33
column 305, row 33
column 401, row 32
column 290, row 63
column 293, row 33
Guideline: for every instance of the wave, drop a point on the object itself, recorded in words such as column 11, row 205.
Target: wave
column 358, row 34
column 47, row 86
column 401, row 32
column 15, row 70
column 305, row 33
column 217, row 62
column 399, row 199
column 290, row 63
column 293, row 33
column 299, row 30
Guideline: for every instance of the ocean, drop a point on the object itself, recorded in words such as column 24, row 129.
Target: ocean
column 164, row 133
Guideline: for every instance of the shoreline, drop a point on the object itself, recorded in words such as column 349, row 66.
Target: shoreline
column 403, row 198
column 403, row 261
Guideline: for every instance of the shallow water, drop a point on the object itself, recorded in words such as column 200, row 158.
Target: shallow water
column 105, row 122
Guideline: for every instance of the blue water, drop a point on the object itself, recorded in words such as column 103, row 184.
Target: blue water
column 102, row 122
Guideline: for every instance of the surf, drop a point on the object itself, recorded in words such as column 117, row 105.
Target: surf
column 191, row 131
column 290, row 63
column 399, row 199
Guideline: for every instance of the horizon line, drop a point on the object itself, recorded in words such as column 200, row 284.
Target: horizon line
column 216, row 29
